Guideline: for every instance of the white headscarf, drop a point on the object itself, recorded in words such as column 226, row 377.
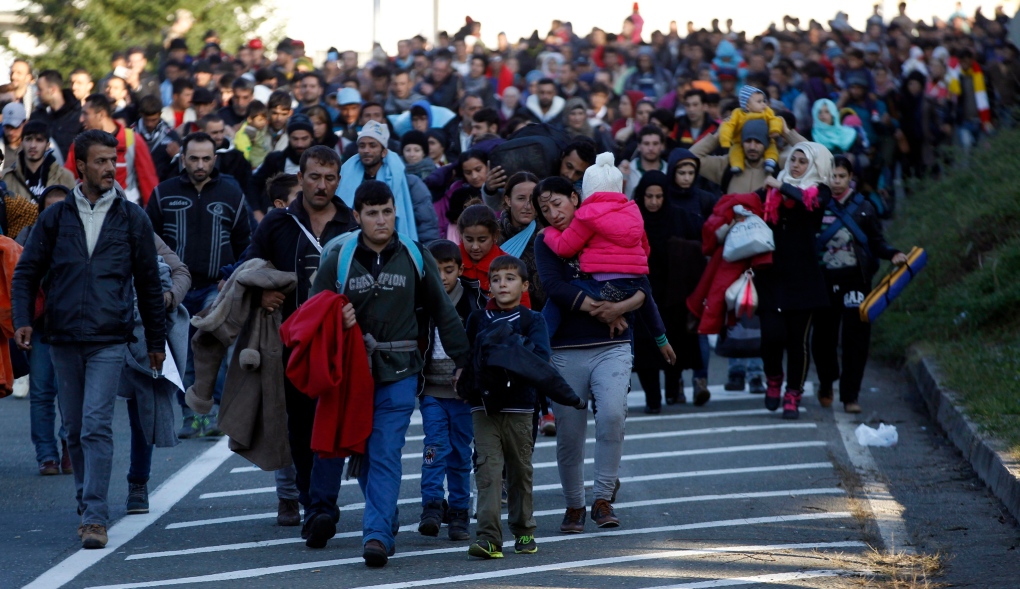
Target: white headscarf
column 820, row 163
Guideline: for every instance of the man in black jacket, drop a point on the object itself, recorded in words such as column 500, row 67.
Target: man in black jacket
column 94, row 245
column 59, row 109
column 299, row 138
column 201, row 216
column 229, row 160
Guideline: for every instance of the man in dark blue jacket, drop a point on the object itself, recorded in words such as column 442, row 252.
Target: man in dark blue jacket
column 200, row 214
column 94, row 245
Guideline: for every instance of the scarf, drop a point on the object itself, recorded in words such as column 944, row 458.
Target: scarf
column 391, row 173
column 516, row 245
column 831, row 135
column 479, row 271
column 421, row 169
column 818, row 172
column 156, row 136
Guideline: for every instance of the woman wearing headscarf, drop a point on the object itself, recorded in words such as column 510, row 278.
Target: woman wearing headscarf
column 666, row 225
column 793, row 287
column 827, row 130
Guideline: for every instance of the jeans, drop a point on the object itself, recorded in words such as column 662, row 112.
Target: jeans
column 614, row 291
column 504, row 440
column 448, row 435
column 706, row 353
column 746, row 368
column 602, row 376
column 195, row 301
column 42, row 394
column 968, row 134
column 381, row 469
column 88, row 376
column 286, row 483
column 141, row 451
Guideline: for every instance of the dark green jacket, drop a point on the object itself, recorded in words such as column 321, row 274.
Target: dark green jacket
column 386, row 303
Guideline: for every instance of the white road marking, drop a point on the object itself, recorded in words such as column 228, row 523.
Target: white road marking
column 550, row 512
column 636, row 398
column 700, row 432
column 887, row 511
column 701, row 473
column 241, row 469
column 237, row 493
column 161, row 501
column 251, row 573
column 767, row 579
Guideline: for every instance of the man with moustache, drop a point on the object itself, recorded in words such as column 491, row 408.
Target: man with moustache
column 292, row 239
column 96, row 250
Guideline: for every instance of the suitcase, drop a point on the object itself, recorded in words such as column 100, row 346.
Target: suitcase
column 892, row 285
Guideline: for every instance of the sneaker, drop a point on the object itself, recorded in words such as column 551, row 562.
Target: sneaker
column 825, row 395
column 210, row 425
column 431, row 518
column 485, row 549
column 525, row 545
column 288, row 513
column 49, row 468
column 852, row 407
column 603, row 515
column 321, row 528
column 616, row 489
column 65, row 459
column 458, row 529
column 774, row 392
column 191, row 428
column 573, row 520
column 20, row 389
column 93, row 536
column 547, row 424
column 791, row 402
column 701, row 394
column 735, row 382
column 138, row 498
column 757, row 387
column 375, row 554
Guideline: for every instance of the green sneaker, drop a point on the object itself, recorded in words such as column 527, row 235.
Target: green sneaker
column 485, row 549
column 525, row 545
column 192, row 428
column 210, row 425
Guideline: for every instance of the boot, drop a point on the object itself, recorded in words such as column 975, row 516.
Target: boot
column 825, row 395
column 458, row 528
column 791, row 402
column 431, row 518
column 774, row 392
column 701, row 394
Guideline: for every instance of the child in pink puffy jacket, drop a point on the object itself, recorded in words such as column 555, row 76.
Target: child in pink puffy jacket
column 607, row 234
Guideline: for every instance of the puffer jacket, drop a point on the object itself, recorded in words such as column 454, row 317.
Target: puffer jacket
column 608, row 233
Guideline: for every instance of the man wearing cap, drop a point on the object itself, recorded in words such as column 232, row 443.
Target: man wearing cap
column 401, row 95
column 754, row 137
column 203, row 102
column 59, row 109
column 349, row 102
column 14, row 124
column 299, row 138
column 34, row 167
column 258, row 54
column 375, row 162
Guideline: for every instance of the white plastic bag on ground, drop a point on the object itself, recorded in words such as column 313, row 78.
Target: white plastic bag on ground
column 884, row 436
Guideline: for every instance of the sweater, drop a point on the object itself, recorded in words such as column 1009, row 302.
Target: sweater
column 329, row 363
column 608, row 234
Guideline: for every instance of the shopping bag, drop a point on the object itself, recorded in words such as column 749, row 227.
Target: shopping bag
column 742, row 340
column 748, row 238
column 892, row 285
column 741, row 296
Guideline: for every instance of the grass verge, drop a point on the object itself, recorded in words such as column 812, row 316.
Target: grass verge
column 965, row 307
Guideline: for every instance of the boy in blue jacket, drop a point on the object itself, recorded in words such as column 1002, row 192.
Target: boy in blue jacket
column 509, row 361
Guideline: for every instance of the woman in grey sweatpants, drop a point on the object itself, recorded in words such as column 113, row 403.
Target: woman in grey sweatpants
column 591, row 349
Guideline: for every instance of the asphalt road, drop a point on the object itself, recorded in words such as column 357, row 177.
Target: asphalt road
column 723, row 495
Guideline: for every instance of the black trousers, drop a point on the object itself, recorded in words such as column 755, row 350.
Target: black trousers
column 788, row 332
column 300, row 419
column 856, row 341
column 649, row 380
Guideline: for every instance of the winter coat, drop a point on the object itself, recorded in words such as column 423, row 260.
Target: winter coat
column 329, row 363
column 716, row 167
column 708, row 301
column 90, row 298
column 878, row 248
column 207, row 229
column 425, row 220
column 253, row 410
column 607, row 234
column 14, row 177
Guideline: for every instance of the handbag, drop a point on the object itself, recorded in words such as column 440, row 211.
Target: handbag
column 748, row 238
column 742, row 340
column 741, row 296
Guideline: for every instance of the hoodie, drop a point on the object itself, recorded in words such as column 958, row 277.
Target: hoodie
column 728, row 58
column 695, row 201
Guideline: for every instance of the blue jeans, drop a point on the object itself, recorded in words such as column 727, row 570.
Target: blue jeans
column 706, row 352
column 614, row 291
column 381, row 470
column 448, row 434
column 88, row 376
column 286, row 483
column 195, row 301
column 141, row 451
column 746, row 367
column 42, row 394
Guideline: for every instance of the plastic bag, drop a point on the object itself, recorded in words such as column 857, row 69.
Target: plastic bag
column 741, row 296
column 884, row 436
column 748, row 238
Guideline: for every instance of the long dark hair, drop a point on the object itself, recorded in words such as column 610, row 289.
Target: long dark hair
column 551, row 185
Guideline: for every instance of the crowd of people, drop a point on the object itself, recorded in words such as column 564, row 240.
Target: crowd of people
column 299, row 254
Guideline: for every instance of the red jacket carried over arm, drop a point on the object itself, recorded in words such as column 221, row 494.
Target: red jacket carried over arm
column 329, row 363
